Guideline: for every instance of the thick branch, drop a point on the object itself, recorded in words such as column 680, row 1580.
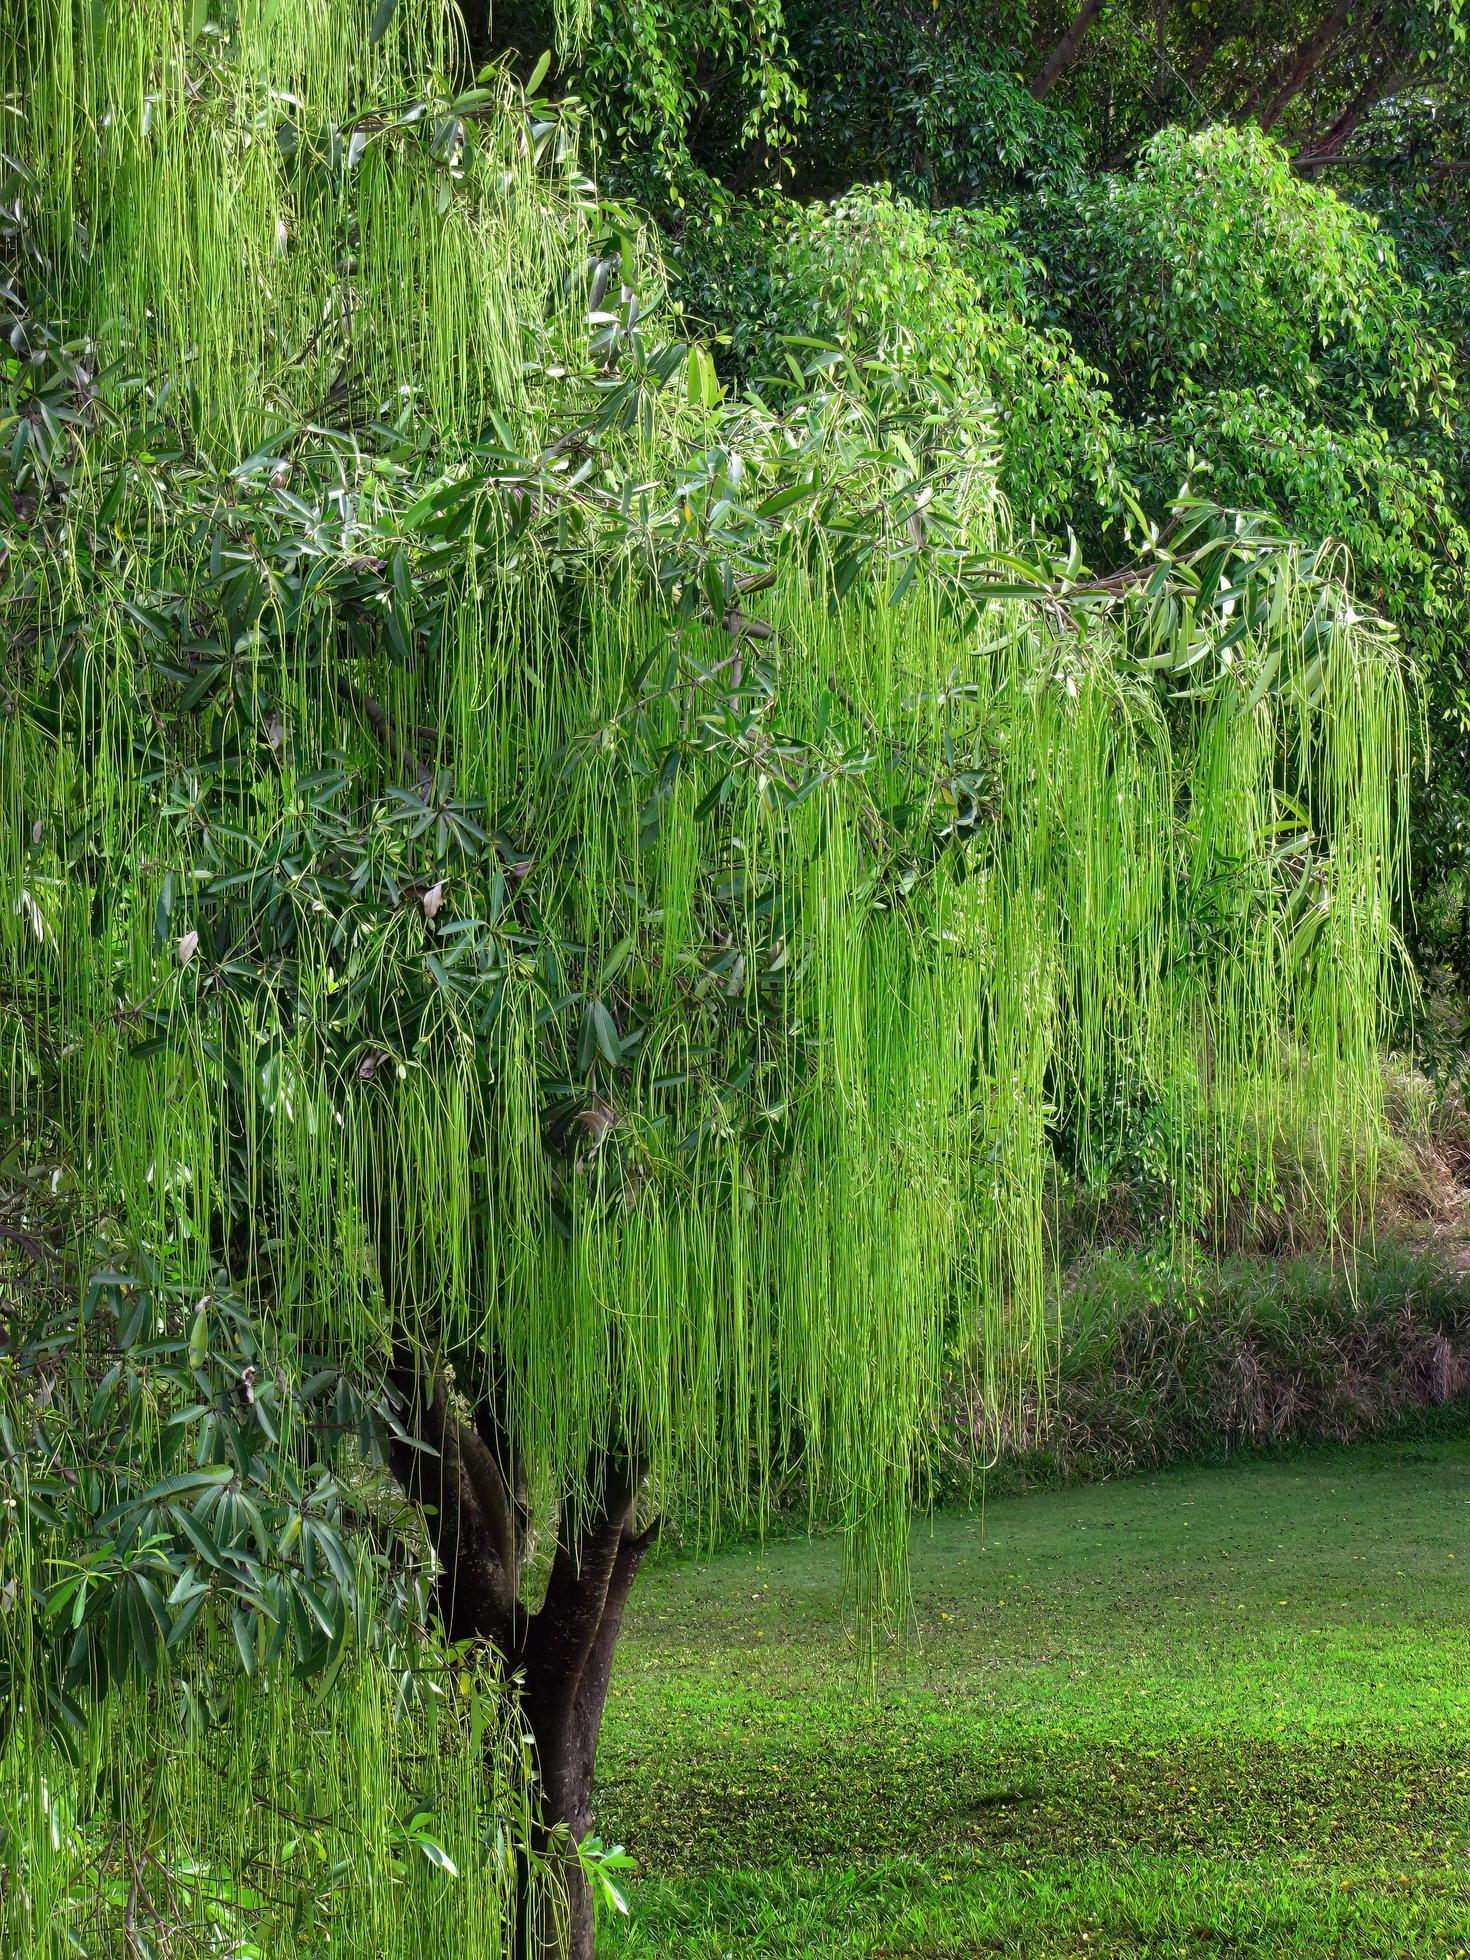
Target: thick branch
column 564, row 1631
column 1375, row 90
column 597, row 1669
column 506, row 1469
column 470, row 1514
column 1063, row 56
column 1291, row 75
column 495, row 1457
column 397, row 745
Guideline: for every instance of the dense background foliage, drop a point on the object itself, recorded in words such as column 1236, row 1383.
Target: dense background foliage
column 1218, row 244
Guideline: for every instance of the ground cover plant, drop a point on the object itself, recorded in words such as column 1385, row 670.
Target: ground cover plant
column 1200, row 1711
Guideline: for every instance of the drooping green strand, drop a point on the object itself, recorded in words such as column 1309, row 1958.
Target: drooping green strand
column 229, row 195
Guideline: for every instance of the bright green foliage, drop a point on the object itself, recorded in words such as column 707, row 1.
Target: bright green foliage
column 251, row 226
column 521, row 862
column 1392, row 511
column 946, row 296
column 1406, row 534
column 1213, row 262
column 1277, row 355
column 275, row 1818
column 672, row 938
column 1182, row 250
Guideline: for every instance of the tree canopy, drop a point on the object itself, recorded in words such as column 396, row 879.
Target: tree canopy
column 574, row 888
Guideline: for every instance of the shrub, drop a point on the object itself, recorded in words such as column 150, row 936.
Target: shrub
column 1213, row 263
column 947, row 294
column 1158, row 1369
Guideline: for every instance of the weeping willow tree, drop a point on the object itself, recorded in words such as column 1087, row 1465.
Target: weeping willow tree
column 592, row 907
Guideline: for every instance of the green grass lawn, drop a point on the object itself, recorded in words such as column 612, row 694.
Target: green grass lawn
column 1221, row 1711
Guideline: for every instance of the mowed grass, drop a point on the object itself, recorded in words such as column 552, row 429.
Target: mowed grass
column 1222, row 1711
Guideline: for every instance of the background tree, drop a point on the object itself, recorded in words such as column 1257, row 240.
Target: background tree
column 1047, row 123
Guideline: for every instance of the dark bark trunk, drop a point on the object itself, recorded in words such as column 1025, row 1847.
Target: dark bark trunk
column 567, row 1659
column 475, row 1511
column 1329, row 146
column 1063, row 56
column 1287, row 80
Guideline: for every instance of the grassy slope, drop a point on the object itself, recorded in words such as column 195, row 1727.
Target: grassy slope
column 1210, row 1711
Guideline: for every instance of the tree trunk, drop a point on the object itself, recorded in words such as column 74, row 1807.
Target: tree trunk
column 475, row 1511
column 567, row 1674
column 1064, row 55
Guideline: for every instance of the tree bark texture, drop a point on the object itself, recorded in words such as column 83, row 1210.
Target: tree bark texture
column 1064, row 55
column 475, row 1509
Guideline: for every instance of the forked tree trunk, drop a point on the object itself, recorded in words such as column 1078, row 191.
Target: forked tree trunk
column 567, row 1658
column 475, row 1511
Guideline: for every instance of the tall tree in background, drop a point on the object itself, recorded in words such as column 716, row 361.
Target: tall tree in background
column 1035, row 127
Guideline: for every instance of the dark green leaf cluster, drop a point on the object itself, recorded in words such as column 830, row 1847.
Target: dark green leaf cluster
column 189, row 1493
